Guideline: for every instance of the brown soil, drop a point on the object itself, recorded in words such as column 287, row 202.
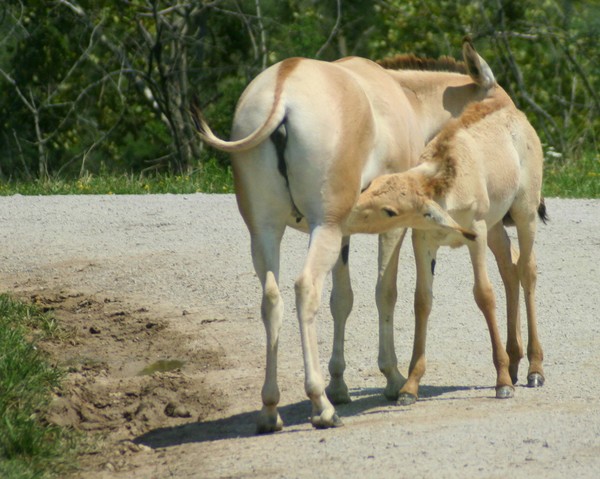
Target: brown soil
column 125, row 374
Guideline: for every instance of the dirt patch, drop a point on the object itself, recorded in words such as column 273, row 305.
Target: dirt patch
column 127, row 373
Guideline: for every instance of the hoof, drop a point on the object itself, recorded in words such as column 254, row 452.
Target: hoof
column 513, row 371
column 535, row 380
column 505, row 392
column 339, row 396
column 269, row 424
column 391, row 395
column 395, row 382
column 319, row 423
column 406, row 399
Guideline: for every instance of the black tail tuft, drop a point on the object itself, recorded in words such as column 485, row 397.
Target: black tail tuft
column 542, row 213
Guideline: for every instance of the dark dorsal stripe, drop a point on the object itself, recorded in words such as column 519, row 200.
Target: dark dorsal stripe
column 412, row 62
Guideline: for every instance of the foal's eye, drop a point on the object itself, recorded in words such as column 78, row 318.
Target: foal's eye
column 390, row 212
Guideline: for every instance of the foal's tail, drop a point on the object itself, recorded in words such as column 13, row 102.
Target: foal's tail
column 541, row 211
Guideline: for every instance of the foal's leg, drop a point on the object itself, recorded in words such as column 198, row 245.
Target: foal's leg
column 527, row 269
column 425, row 254
column 325, row 246
column 499, row 243
column 385, row 295
column 340, row 304
column 485, row 299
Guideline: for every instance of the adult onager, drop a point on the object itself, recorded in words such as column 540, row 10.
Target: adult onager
column 307, row 137
column 483, row 169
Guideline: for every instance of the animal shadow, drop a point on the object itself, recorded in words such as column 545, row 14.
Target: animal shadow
column 364, row 401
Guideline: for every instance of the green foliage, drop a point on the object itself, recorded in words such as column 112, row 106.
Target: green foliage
column 29, row 447
column 105, row 86
column 543, row 53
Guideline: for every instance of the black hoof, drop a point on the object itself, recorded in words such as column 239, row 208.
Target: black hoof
column 535, row 380
column 514, row 373
column 505, row 392
column 406, row 399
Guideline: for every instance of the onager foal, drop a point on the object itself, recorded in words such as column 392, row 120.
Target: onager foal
column 482, row 170
column 307, row 137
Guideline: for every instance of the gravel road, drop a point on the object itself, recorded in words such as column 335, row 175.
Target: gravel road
column 188, row 257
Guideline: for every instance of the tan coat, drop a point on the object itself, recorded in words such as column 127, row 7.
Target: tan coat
column 483, row 169
column 307, row 137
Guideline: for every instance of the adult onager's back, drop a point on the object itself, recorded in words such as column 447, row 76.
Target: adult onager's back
column 482, row 170
column 307, row 137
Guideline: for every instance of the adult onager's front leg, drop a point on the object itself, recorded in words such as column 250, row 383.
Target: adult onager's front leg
column 341, row 306
column 325, row 246
column 425, row 251
column 341, row 301
column 386, row 294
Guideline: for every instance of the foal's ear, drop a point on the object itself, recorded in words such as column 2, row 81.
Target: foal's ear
column 478, row 69
column 439, row 218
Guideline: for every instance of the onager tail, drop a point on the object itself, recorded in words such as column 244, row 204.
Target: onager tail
column 275, row 118
column 541, row 211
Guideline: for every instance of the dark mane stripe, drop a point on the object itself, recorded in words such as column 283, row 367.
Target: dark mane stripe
column 412, row 62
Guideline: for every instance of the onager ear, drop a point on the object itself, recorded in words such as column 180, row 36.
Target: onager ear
column 439, row 218
column 478, row 69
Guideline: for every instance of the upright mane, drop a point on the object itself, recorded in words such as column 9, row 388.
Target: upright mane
column 413, row 62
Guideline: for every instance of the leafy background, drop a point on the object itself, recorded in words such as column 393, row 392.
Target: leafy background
column 103, row 87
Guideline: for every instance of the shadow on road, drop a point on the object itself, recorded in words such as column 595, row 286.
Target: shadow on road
column 244, row 424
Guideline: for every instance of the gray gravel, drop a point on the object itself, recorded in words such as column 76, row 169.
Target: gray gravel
column 191, row 253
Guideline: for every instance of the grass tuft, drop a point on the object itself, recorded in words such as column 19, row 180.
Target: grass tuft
column 211, row 178
column 29, row 446
column 573, row 179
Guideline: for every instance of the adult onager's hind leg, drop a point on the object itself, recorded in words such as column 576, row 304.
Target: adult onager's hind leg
column 500, row 244
column 341, row 301
column 324, row 249
column 485, row 299
column 527, row 270
column 386, row 294
column 265, row 256
column 265, row 211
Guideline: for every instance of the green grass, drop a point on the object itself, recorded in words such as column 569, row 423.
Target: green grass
column 29, row 446
column 211, row 179
column 573, row 179
column 564, row 179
